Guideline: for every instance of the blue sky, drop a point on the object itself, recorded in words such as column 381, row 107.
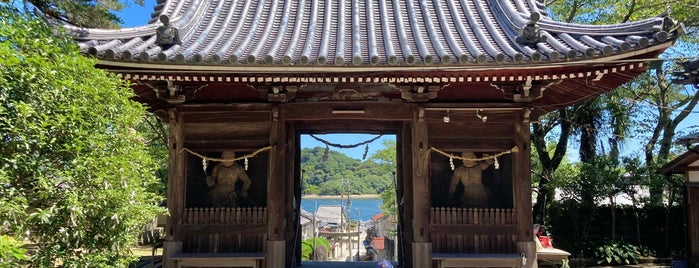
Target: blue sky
column 135, row 15
column 347, row 139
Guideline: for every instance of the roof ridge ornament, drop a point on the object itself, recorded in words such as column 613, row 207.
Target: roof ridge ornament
column 530, row 34
column 167, row 35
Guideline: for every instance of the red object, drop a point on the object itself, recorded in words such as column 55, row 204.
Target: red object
column 545, row 241
column 378, row 243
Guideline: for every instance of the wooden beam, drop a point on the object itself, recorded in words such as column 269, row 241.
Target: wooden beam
column 389, row 111
column 452, row 144
column 347, row 126
column 210, row 145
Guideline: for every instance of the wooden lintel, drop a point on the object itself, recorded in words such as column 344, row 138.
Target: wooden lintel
column 491, row 145
column 218, row 107
column 357, row 110
column 217, row 145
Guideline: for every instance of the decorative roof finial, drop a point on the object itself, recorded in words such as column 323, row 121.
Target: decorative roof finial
column 531, row 34
column 166, row 35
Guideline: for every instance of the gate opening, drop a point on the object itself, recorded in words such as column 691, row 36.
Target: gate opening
column 348, row 210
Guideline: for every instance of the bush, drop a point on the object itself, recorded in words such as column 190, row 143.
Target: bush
column 617, row 252
column 11, row 252
column 75, row 178
column 307, row 247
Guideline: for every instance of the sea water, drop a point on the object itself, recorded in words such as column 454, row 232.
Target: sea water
column 359, row 208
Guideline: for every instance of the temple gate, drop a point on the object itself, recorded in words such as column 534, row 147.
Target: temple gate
column 458, row 82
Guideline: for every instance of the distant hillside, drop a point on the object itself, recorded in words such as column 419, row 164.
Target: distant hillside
column 325, row 177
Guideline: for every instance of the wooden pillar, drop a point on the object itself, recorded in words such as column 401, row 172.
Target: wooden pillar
column 691, row 200
column 421, row 246
column 276, row 192
column 404, row 193
column 522, row 189
column 176, row 187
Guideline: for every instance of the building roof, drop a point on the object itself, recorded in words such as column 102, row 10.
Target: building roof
column 377, row 217
column 680, row 163
column 332, row 215
column 305, row 217
column 378, row 243
column 352, row 33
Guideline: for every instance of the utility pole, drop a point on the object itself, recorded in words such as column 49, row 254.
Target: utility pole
column 315, row 229
column 359, row 219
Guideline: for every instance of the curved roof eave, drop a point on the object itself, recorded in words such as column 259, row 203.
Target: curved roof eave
column 148, row 67
column 353, row 34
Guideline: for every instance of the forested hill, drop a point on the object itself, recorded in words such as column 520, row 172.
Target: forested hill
column 326, row 177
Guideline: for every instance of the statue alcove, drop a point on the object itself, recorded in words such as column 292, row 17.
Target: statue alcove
column 497, row 181
column 197, row 193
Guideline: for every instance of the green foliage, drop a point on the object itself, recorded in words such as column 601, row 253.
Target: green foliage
column 12, row 252
column 74, row 172
column 327, row 177
column 83, row 13
column 616, row 253
column 386, row 158
column 307, row 247
column 590, row 12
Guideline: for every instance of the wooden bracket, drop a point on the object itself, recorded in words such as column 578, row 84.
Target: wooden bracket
column 419, row 93
column 277, row 93
column 173, row 93
column 526, row 91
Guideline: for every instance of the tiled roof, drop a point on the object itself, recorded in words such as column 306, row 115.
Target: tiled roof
column 366, row 33
column 378, row 243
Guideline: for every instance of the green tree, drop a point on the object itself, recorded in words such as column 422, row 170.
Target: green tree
column 613, row 114
column 82, row 13
column 74, row 170
column 387, row 161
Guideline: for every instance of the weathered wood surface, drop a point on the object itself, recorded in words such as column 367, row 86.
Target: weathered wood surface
column 692, row 202
column 278, row 192
column 490, row 216
column 387, row 111
column 473, row 230
column 225, row 215
column 476, row 260
column 522, row 182
column 249, row 259
column 228, row 240
column 404, row 191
